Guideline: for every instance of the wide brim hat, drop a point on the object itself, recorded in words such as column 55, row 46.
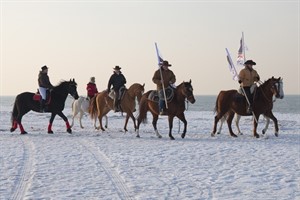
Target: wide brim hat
column 165, row 63
column 250, row 62
column 44, row 67
column 117, row 68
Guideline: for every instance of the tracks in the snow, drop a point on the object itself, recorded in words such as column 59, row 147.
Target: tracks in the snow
column 24, row 175
column 103, row 162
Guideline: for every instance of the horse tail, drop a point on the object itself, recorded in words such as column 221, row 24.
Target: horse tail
column 93, row 107
column 216, row 106
column 143, row 108
column 14, row 116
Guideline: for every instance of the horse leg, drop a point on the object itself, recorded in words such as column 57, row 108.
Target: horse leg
column 229, row 122
column 217, row 118
column 80, row 117
column 75, row 112
column 50, row 123
column 14, row 125
column 255, row 123
column 170, row 118
column 69, row 130
column 18, row 121
column 221, row 125
column 267, row 125
column 106, row 121
column 154, row 123
column 182, row 118
column 100, row 122
column 271, row 116
column 237, row 120
column 126, row 121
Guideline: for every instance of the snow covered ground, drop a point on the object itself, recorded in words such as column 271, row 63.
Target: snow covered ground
column 90, row 164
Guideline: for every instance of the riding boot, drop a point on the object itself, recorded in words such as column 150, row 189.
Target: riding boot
column 161, row 107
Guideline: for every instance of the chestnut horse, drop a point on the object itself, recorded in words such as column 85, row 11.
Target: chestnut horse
column 102, row 104
column 176, row 108
column 231, row 102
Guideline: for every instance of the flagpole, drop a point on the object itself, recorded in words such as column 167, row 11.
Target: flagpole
column 161, row 77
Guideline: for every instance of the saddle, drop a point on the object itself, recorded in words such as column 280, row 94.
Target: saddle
column 153, row 96
column 241, row 96
column 122, row 90
column 37, row 97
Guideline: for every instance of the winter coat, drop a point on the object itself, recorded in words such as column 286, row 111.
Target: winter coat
column 168, row 77
column 117, row 81
column 91, row 89
column 44, row 81
column 247, row 77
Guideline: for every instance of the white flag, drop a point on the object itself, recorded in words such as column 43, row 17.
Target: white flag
column 231, row 66
column 159, row 57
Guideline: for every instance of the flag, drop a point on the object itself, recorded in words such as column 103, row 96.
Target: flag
column 159, row 57
column 231, row 66
column 241, row 53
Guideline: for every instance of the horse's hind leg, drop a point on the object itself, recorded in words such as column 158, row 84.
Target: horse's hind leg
column 221, row 124
column 217, row 118
column 154, row 123
column 267, row 125
column 170, row 118
column 80, row 117
column 69, row 130
column 50, row 123
column 229, row 122
column 106, row 121
column 237, row 120
column 182, row 118
column 255, row 123
column 126, row 121
column 271, row 116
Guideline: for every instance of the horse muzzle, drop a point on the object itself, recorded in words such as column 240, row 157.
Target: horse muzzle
column 191, row 99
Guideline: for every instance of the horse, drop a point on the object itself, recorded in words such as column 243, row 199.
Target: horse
column 104, row 103
column 81, row 106
column 231, row 102
column 25, row 102
column 176, row 108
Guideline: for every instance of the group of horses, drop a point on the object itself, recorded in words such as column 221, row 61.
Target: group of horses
column 227, row 104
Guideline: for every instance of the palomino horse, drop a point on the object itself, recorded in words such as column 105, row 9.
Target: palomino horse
column 230, row 102
column 81, row 106
column 103, row 104
column 24, row 103
column 176, row 108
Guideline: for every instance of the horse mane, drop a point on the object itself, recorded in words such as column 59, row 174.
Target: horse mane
column 63, row 82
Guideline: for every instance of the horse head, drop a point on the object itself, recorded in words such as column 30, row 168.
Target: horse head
column 72, row 88
column 137, row 90
column 187, row 91
column 277, row 87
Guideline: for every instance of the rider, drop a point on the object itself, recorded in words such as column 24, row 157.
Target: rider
column 44, row 85
column 117, row 80
column 247, row 77
column 165, row 77
column 91, row 88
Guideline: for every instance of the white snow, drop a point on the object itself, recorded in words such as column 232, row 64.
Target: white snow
column 90, row 164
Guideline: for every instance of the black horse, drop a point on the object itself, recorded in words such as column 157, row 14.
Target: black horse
column 25, row 102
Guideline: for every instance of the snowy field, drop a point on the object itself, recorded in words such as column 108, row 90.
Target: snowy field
column 90, row 164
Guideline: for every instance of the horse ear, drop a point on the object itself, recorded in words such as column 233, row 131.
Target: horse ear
column 190, row 81
column 70, row 80
column 144, row 85
column 73, row 80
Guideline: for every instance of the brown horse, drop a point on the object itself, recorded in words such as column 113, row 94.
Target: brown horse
column 102, row 104
column 230, row 102
column 176, row 108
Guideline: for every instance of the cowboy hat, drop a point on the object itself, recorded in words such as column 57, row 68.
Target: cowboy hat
column 117, row 68
column 250, row 62
column 44, row 67
column 165, row 63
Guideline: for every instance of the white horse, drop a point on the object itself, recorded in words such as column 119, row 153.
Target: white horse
column 81, row 106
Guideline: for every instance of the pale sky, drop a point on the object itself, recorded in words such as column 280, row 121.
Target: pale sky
column 80, row 39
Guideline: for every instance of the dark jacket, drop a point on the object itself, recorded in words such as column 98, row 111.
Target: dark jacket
column 117, row 81
column 44, row 80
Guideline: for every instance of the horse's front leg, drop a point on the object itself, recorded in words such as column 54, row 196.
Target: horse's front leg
column 170, row 118
column 69, row 130
column 154, row 124
column 126, row 121
column 51, row 122
column 271, row 116
column 182, row 118
column 80, row 117
column 255, row 123
column 217, row 118
column 133, row 119
column 100, row 122
column 19, row 122
column 267, row 125
column 237, row 121
column 106, row 121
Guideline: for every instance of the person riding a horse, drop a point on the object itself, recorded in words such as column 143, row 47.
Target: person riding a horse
column 118, row 81
column 91, row 88
column 163, row 78
column 44, row 85
column 247, row 77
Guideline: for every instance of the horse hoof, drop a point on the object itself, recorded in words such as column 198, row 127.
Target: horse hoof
column 105, row 126
column 172, row 138
column 138, row 136
column 125, row 130
column 276, row 134
column 218, row 133
column 161, row 137
column 233, row 135
column 240, row 133
column 256, row 135
column 182, row 135
column 263, row 131
column 69, row 130
column 50, row 132
column 12, row 129
column 212, row 135
column 102, row 129
column 23, row 133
